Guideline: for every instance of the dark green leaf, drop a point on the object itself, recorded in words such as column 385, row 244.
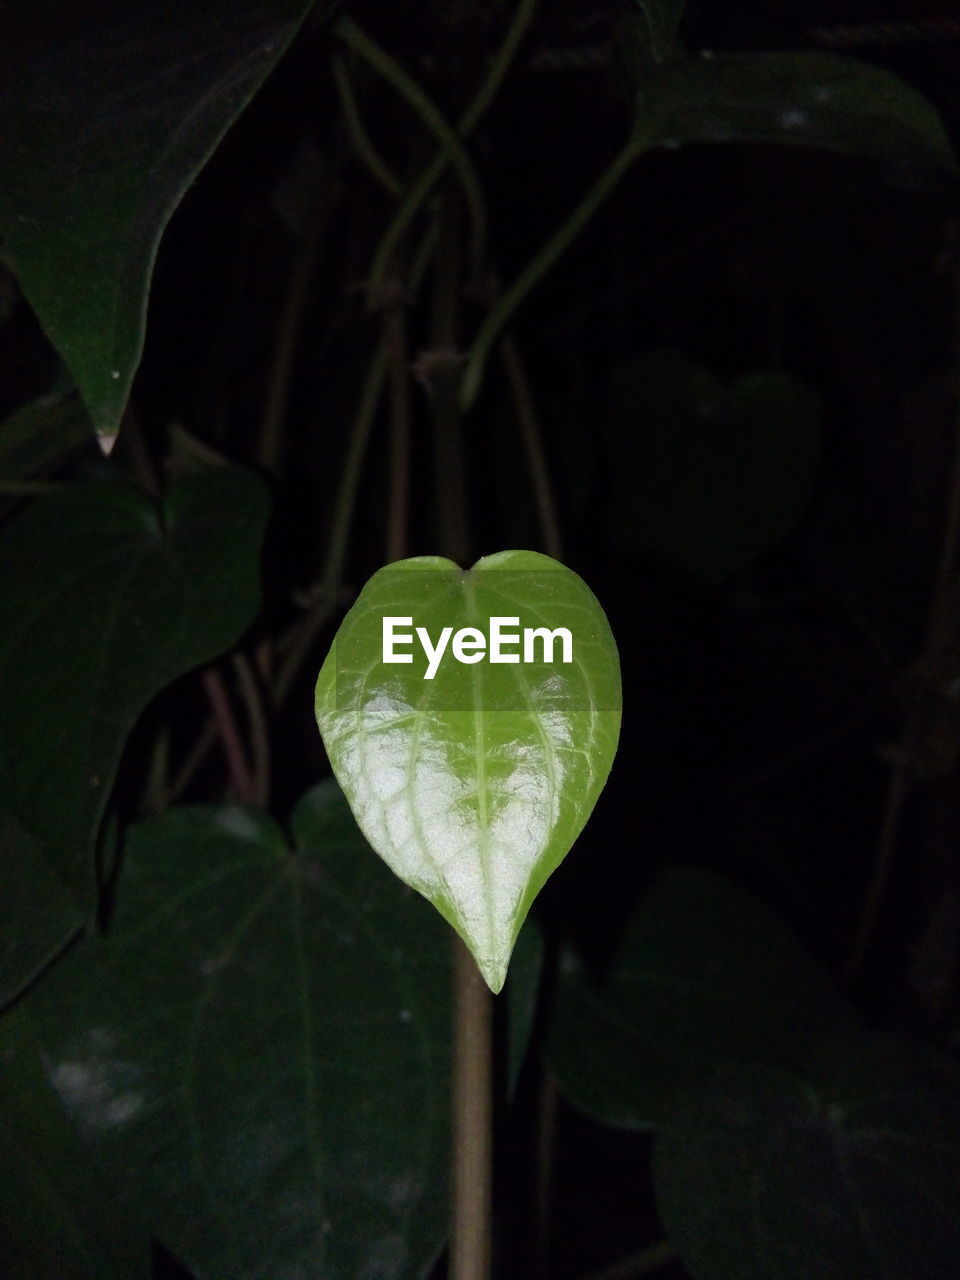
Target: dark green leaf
column 55, row 1224
column 104, row 129
column 705, row 975
column 708, row 477
column 44, row 433
column 800, row 99
column 764, row 1175
column 104, row 599
column 470, row 777
column 257, row 1057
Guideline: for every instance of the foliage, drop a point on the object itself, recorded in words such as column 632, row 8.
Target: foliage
column 659, row 288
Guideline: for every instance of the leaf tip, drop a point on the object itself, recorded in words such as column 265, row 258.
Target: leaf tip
column 106, row 440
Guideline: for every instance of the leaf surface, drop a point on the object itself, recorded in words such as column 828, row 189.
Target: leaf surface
column 473, row 784
column 704, row 976
column 806, row 99
column 104, row 129
column 256, row 1059
column 104, row 599
column 764, row 1174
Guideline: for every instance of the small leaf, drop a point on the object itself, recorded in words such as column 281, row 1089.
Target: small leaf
column 704, row 976
column 255, row 1062
column 804, row 99
column 764, row 1174
column 708, row 477
column 104, row 130
column 104, row 599
column 472, row 783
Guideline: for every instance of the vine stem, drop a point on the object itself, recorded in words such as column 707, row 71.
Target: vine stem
column 415, row 197
column 241, row 779
column 530, row 433
column 472, row 1120
column 442, row 130
column 507, row 303
column 643, row 1263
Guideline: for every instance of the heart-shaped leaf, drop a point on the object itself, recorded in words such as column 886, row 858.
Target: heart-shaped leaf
column 471, row 744
column 252, row 1067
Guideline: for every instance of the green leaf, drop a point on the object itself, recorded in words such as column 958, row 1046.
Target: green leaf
column 55, row 1224
column 104, row 599
column 763, row 1174
column 257, row 1058
column 706, row 476
column 705, row 975
column 799, row 99
column 472, row 784
column 104, row 130
column 663, row 18
column 43, row 433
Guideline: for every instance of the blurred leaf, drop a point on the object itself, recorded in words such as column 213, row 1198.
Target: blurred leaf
column 704, row 975
column 43, row 433
column 105, row 128
column 663, row 18
column 473, row 781
column 762, row 1174
column 104, row 599
column 708, row 477
column 802, row 99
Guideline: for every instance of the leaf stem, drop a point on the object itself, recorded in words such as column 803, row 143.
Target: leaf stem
column 508, row 301
column 472, row 1118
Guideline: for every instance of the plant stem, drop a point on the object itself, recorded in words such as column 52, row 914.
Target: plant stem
column 439, row 370
column 508, row 302
column 898, row 784
column 418, row 193
column 445, row 134
column 361, row 140
column 259, row 731
column 288, row 333
column 398, row 511
column 530, row 432
column 472, row 1117
column 241, row 780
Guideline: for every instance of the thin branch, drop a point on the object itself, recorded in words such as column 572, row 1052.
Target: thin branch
column 361, row 140
column 530, row 433
column 241, row 780
column 259, row 731
column 446, row 135
column 508, row 301
column 418, row 193
column 398, row 507
column 288, row 335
